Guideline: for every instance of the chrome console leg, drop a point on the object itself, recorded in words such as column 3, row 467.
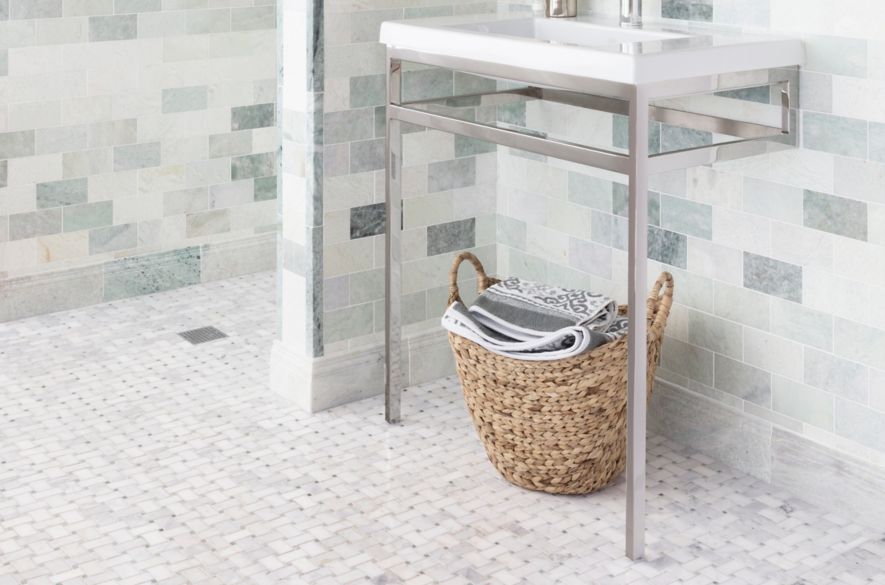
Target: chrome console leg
column 393, row 382
column 637, row 364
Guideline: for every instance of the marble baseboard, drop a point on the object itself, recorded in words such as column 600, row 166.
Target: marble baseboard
column 63, row 290
column 315, row 384
column 815, row 473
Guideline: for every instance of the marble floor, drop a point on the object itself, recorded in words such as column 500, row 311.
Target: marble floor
column 128, row 455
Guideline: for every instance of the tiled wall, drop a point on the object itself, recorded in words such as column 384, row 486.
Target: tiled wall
column 137, row 147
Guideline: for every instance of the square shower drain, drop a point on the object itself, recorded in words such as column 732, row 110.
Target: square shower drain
column 203, row 335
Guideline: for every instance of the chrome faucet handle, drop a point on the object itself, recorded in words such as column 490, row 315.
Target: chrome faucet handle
column 562, row 8
column 631, row 13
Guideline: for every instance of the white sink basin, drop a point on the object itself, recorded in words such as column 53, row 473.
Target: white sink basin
column 590, row 47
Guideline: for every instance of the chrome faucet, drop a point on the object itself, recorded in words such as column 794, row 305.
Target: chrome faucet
column 631, row 13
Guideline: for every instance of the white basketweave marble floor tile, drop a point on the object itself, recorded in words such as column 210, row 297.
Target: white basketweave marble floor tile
column 128, row 455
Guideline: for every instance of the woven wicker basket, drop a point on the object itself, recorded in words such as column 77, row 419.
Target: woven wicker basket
column 556, row 426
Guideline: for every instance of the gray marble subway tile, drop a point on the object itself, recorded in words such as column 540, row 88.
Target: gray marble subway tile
column 802, row 402
column 512, row 232
column 836, row 55
column 837, row 215
column 466, row 146
column 365, row 25
column 367, row 155
column 860, row 423
column 112, row 133
column 4, row 9
column 88, row 216
column 336, row 292
column 841, row 377
column 859, row 342
column 252, row 166
column 33, row 224
column 4, row 173
column 718, row 335
column 590, row 257
column 34, row 9
column 185, row 99
column 205, row 223
column 590, row 191
column 621, row 136
column 348, row 323
column 265, row 188
column 230, row 144
column 136, row 156
column 367, row 220
column 701, row 10
column 686, row 217
column 366, row 286
column 185, row 201
column 60, row 193
column 141, row 275
column 200, row 22
column 4, row 62
column 780, row 202
column 113, row 238
column 678, row 138
column 428, row 11
column 743, row 381
column 601, row 227
column 136, row 6
column 17, row 144
column 759, row 95
column 621, row 203
column 253, row 18
column 427, row 84
column 817, row 91
column 251, row 117
column 451, row 174
column 380, row 114
column 834, row 134
column 336, row 159
column 65, row 139
column 113, row 28
column 799, row 323
column 451, row 236
column 466, row 84
column 743, row 305
column 827, row 478
column 414, row 308
column 773, row 277
column 230, row 259
column 231, row 194
column 514, row 114
column 50, row 292
column 739, row 441
column 348, row 125
column 367, row 90
column 667, row 247
column 877, row 142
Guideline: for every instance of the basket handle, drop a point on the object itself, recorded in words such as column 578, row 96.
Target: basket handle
column 659, row 302
column 483, row 280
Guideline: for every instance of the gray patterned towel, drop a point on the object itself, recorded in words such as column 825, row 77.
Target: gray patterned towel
column 531, row 321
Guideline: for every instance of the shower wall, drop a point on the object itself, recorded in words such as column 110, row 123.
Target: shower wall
column 137, row 147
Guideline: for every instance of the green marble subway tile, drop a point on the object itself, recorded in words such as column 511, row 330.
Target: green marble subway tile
column 252, row 166
column 590, row 191
column 686, row 217
column 466, row 84
column 835, row 134
column 265, row 188
column 64, row 139
column 4, row 9
column 141, row 275
column 773, row 277
column 428, row 11
column 251, row 117
column 136, row 156
column 414, row 308
column 17, row 144
column 860, row 424
column 761, row 95
column 207, row 223
column 60, row 193
column 348, row 323
column 677, row 138
column 743, row 381
column 621, row 136
column 817, row 91
column 427, row 84
column 802, row 402
column 185, row 201
column 113, row 238
column 511, row 232
column 590, row 258
column 688, row 360
column 466, row 146
column 367, row 155
column 859, row 342
column 34, row 224
column 4, row 62
column 230, row 144
column 253, row 18
column 451, row 174
column 200, row 22
column 113, row 28
column 365, row 25
column 4, row 173
column 801, row 324
column 837, row 215
column 136, row 6
column 336, row 292
column 780, row 202
column 842, row 377
column 701, row 10
column 743, row 305
column 451, row 236
column 112, row 133
column 88, row 216
column 718, row 335
column 836, row 55
column 667, row 247
column 368, row 90
column 367, row 220
column 877, row 142
column 34, row 9
column 348, row 126
column 185, row 99
column 601, row 227
column 366, row 286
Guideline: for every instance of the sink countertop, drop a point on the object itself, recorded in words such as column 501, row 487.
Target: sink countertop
column 595, row 46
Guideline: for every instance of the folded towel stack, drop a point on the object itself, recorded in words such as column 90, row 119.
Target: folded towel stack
column 531, row 321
